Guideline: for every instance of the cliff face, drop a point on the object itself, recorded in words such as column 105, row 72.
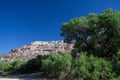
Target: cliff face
column 37, row 48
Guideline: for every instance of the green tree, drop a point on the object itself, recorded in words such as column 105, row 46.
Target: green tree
column 97, row 34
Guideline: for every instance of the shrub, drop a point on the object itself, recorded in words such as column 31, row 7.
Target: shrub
column 17, row 65
column 116, row 66
column 4, row 67
column 33, row 65
column 91, row 68
column 57, row 66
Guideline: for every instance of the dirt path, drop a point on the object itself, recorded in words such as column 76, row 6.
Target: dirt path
column 22, row 77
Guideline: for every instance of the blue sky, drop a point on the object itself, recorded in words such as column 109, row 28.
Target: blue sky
column 25, row 21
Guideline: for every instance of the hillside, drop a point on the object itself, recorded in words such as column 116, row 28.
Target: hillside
column 36, row 48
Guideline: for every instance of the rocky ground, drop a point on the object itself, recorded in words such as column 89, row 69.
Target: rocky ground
column 37, row 48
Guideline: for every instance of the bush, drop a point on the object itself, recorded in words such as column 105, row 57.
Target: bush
column 33, row 65
column 57, row 66
column 17, row 65
column 63, row 66
column 116, row 66
column 4, row 67
column 91, row 68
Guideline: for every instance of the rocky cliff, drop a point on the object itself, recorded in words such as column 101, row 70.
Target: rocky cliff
column 37, row 48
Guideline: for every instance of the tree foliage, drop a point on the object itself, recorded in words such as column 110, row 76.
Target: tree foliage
column 98, row 34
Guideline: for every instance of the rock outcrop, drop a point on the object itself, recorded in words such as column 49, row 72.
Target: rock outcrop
column 37, row 48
